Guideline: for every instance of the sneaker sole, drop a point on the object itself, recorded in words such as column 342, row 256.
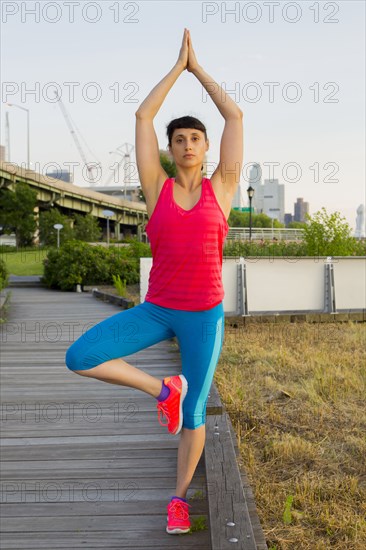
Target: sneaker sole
column 182, row 397
column 177, row 530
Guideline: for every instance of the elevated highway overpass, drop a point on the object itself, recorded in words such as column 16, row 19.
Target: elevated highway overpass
column 129, row 217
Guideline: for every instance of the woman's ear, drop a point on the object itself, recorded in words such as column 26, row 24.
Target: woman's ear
column 207, row 144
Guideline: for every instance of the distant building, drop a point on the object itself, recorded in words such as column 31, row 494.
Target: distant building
column 268, row 197
column 360, row 222
column 301, row 208
column 274, row 200
column 237, row 201
column 288, row 219
column 255, row 180
column 63, row 175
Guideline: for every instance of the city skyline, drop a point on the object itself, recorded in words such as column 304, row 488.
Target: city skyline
column 300, row 88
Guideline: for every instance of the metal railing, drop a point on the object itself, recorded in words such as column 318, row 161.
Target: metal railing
column 265, row 233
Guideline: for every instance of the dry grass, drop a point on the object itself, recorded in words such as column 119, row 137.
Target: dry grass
column 296, row 397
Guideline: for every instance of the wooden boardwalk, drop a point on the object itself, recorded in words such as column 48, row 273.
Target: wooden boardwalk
column 85, row 464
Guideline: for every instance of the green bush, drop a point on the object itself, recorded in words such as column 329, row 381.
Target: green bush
column 77, row 262
column 121, row 263
column 359, row 248
column 3, row 275
column 267, row 248
column 136, row 249
column 328, row 235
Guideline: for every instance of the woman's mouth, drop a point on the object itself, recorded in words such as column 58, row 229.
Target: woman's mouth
column 188, row 156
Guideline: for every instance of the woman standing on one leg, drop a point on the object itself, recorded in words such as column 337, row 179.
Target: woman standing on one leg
column 187, row 228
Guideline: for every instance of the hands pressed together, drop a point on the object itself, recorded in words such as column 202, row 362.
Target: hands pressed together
column 187, row 58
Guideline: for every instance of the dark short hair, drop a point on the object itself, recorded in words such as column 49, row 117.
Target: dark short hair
column 184, row 122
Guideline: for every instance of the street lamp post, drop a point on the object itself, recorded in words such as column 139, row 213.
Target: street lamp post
column 250, row 192
column 28, row 141
column 58, row 227
column 108, row 214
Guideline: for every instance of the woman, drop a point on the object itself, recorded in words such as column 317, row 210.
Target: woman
column 187, row 228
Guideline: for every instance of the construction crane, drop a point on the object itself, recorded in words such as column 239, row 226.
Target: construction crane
column 125, row 161
column 67, row 118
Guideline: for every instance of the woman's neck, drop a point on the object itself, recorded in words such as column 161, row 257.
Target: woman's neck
column 188, row 181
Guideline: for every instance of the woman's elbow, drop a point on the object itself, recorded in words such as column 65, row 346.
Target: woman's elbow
column 141, row 114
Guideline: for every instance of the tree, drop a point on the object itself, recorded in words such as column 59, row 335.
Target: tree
column 328, row 235
column 47, row 233
column 17, row 213
column 241, row 219
column 169, row 167
column 87, row 228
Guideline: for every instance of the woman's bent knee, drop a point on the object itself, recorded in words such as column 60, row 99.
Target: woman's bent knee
column 73, row 359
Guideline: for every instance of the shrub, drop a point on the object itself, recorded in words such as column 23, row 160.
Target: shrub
column 328, row 235
column 266, row 248
column 137, row 249
column 3, row 275
column 77, row 262
column 359, row 247
column 121, row 262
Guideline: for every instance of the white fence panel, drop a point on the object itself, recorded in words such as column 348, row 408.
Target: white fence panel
column 350, row 283
column 276, row 285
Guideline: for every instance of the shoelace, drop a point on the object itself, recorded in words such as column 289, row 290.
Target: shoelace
column 179, row 510
column 163, row 411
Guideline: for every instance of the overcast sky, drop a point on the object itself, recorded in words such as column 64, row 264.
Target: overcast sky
column 296, row 69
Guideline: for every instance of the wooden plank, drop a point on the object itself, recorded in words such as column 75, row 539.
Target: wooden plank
column 100, row 508
column 259, row 535
column 214, row 404
column 92, row 464
column 98, row 540
column 97, row 450
column 227, row 503
column 70, row 491
column 106, row 540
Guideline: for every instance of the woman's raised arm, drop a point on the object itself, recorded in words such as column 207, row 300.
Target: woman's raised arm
column 231, row 147
column 147, row 147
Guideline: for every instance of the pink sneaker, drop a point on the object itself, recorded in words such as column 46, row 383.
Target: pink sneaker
column 172, row 407
column 178, row 517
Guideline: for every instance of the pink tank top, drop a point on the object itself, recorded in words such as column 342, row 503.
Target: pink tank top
column 187, row 247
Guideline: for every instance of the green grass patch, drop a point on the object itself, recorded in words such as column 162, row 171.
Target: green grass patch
column 25, row 262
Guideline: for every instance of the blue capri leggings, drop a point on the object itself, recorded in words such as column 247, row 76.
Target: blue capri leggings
column 200, row 335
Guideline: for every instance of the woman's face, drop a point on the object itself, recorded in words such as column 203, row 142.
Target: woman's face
column 188, row 147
